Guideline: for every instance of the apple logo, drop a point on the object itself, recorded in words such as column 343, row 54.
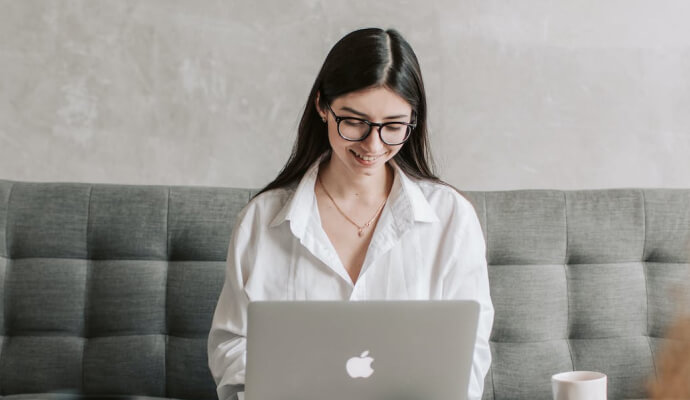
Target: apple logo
column 360, row 367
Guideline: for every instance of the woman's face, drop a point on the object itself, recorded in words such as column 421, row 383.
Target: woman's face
column 369, row 156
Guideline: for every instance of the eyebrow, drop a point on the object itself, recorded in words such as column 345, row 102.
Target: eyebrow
column 366, row 116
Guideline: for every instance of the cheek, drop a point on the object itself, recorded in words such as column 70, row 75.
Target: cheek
column 394, row 151
column 332, row 137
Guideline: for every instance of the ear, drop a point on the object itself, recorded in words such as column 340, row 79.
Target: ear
column 322, row 114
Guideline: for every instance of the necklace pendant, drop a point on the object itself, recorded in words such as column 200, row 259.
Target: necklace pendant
column 360, row 233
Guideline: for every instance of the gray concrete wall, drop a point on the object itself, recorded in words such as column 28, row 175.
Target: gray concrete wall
column 522, row 94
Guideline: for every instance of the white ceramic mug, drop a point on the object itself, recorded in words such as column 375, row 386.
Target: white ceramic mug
column 579, row 385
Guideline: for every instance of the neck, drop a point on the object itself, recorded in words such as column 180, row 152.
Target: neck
column 366, row 188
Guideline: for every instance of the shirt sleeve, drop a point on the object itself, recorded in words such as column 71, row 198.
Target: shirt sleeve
column 467, row 279
column 227, row 341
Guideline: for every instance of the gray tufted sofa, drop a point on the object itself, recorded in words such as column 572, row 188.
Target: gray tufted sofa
column 110, row 289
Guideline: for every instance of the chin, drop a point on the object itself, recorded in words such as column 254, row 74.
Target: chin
column 371, row 170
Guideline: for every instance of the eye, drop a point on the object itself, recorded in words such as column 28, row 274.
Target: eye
column 353, row 122
column 396, row 127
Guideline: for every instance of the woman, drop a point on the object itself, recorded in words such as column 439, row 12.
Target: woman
column 356, row 213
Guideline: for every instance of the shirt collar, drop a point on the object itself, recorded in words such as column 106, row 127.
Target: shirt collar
column 299, row 205
column 406, row 200
column 411, row 193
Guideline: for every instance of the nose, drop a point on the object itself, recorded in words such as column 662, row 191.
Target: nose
column 373, row 144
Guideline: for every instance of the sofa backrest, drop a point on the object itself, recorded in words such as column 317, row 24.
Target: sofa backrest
column 582, row 280
column 110, row 289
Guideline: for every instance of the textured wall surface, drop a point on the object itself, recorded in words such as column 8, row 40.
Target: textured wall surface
column 528, row 94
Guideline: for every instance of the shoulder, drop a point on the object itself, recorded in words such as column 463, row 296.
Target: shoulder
column 262, row 209
column 457, row 216
column 445, row 200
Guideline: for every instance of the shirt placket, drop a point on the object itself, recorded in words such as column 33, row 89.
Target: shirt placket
column 316, row 241
column 384, row 240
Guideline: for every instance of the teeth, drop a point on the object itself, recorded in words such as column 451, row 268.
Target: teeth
column 365, row 158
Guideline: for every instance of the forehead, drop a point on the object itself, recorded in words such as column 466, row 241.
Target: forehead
column 375, row 102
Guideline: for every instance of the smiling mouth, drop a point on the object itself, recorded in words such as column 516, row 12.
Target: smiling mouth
column 365, row 158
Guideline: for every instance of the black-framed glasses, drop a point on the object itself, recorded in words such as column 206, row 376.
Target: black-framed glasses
column 355, row 129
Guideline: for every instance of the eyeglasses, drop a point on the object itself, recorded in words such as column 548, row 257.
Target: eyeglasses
column 357, row 129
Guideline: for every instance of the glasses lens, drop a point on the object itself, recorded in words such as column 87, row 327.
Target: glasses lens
column 353, row 129
column 395, row 133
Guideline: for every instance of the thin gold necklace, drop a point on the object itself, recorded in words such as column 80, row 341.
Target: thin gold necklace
column 360, row 229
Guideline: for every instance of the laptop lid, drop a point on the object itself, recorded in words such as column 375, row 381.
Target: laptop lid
column 366, row 350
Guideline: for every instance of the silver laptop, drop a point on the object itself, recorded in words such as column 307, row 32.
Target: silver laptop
column 364, row 350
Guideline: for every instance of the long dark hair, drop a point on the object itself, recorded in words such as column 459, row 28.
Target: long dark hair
column 365, row 58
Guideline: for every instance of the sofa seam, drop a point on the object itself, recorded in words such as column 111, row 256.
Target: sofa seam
column 645, row 269
column 567, row 283
column 155, row 258
column 4, row 286
column 486, row 223
column 493, row 384
column 111, row 334
column 642, row 260
column 167, row 288
column 87, row 288
column 7, row 220
column 649, row 339
column 644, row 226
column 165, row 366
column 7, row 248
column 167, row 228
column 565, row 216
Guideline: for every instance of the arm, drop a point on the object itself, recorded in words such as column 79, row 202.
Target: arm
column 467, row 278
column 227, row 337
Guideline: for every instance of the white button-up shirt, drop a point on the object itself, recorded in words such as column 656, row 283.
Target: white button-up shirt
column 427, row 245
